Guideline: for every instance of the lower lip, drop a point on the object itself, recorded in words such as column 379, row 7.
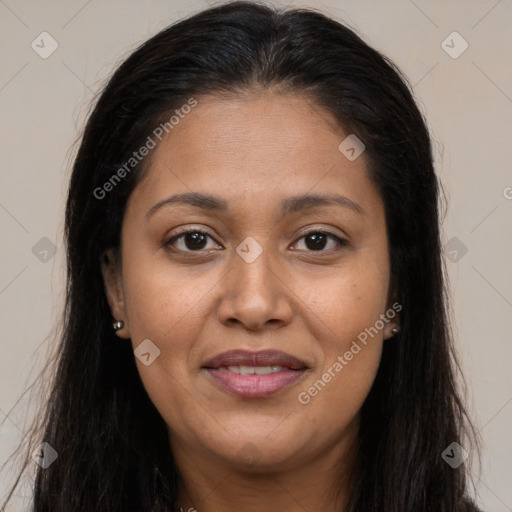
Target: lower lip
column 254, row 386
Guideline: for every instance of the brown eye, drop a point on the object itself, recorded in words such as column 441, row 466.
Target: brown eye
column 318, row 241
column 190, row 241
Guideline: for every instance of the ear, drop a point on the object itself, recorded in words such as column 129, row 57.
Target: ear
column 393, row 315
column 392, row 328
column 113, row 280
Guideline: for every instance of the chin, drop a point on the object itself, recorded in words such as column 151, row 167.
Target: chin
column 256, row 459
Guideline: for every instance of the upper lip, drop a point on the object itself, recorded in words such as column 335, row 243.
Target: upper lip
column 261, row 358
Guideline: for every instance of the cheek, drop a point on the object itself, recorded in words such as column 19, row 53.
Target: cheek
column 346, row 321
column 338, row 393
column 162, row 303
column 350, row 358
column 347, row 303
column 166, row 308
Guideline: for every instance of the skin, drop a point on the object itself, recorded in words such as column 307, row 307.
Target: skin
column 254, row 151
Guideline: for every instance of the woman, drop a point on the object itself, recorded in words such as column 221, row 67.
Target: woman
column 255, row 313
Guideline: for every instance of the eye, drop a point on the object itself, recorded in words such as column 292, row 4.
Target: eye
column 317, row 241
column 193, row 240
column 196, row 240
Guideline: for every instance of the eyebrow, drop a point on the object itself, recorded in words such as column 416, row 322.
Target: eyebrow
column 289, row 205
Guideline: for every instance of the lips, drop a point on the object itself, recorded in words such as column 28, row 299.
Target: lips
column 255, row 359
column 254, row 374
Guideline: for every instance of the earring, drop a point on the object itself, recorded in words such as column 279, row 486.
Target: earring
column 118, row 325
column 395, row 330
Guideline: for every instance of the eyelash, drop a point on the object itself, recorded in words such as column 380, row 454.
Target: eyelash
column 341, row 241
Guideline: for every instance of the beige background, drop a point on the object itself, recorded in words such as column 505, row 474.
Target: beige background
column 468, row 104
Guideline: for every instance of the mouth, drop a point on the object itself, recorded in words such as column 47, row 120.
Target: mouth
column 254, row 374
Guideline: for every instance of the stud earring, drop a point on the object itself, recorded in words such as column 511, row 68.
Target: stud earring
column 395, row 330
column 118, row 325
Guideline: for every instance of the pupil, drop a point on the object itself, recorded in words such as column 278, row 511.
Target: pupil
column 198, row 240
column 318, row 240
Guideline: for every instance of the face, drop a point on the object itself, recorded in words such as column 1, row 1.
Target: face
column 289, row 291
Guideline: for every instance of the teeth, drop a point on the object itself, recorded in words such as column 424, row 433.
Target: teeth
column 263, row 370
column 258, row 370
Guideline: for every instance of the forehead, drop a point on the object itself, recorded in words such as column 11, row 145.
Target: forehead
column 255, row 148
column 255, row 131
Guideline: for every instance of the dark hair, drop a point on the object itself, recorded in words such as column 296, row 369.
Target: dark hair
column 112, row 444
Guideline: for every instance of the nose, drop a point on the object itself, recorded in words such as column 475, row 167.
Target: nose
column 255, row 295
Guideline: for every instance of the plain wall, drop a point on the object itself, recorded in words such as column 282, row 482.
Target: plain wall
column 468, row 104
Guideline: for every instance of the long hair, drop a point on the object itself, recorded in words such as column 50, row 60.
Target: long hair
column 112, row 444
